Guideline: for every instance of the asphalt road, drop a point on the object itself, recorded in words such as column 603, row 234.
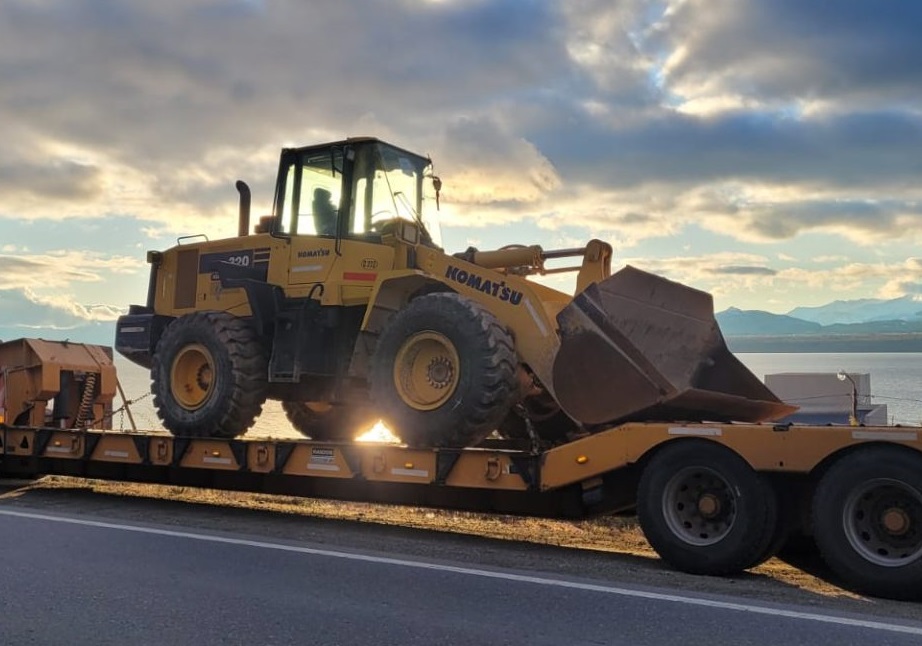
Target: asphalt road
column 85, row 580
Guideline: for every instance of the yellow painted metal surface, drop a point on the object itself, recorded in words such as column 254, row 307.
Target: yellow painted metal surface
column 30, row 377
column 398, row 464
column 63, row 444
column 321, row 461
column 525, row 307
column 210, row 454
column 483, row 470
column 261, row 457
column 161, row 451
column 426, row 370
column 297, row 264
column 796, row 449
column 113, row 447
column 18, row 442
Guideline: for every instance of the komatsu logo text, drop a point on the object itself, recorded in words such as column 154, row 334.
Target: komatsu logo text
column 314, row 253
column 493, row 288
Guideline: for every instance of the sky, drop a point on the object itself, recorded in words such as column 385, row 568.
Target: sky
column 766, row 151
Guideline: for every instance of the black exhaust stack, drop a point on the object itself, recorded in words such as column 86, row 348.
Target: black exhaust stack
column 243, row 220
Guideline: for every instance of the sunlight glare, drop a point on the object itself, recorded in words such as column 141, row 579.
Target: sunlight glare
column 378, row 433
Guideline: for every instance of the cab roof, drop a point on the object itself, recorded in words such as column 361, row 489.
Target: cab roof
column 351, row 141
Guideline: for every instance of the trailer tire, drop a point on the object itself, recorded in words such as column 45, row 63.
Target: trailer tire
column 704, row 509
column 209, row 375
column 443, row 372
column 327, row 423
column 786, row 526
column 867, row 521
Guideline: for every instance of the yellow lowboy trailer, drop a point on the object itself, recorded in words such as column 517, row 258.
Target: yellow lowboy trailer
column 711, row 498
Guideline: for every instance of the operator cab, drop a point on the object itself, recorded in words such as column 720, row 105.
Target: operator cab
column 353, row 189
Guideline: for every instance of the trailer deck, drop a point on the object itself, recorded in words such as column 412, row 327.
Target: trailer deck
column 596, row 473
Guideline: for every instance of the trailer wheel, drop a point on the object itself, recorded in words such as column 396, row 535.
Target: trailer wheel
column 327, row 423
column 867, row 521
column 443, row 372
column 704, row 509
column 787, row 525
column 208, row 375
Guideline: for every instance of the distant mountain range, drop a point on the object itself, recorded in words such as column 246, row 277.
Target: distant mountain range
column 865, row 325
column 864, row 310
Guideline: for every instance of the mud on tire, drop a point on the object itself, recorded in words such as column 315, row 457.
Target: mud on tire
column 209, row 375
column 479, row 389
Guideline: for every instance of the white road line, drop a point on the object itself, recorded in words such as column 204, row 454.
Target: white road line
column 489, row 574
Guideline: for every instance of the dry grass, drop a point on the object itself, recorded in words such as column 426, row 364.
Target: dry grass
column 610, row 533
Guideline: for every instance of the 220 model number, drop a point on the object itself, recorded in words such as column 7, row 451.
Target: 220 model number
column 243, row 261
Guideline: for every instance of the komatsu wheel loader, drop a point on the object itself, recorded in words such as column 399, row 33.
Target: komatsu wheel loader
column 342, row 305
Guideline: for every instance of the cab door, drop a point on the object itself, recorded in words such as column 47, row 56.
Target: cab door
column 312, row 191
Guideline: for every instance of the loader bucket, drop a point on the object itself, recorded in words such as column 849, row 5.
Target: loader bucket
column 638, row 347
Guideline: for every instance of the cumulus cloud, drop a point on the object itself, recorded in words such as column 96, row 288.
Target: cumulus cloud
column 793, row 50
column 758, row 121
column 741, row 270
column 58, row 269
column 524, row 105
column 488, row 164
column 26, row 314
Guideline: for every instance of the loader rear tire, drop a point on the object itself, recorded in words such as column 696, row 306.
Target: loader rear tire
column 328, row 423
column 443, row 372
column 704, row 509
column 209, row 375
column 867, row 521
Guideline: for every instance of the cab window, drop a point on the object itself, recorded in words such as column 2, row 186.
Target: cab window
column 311, row 199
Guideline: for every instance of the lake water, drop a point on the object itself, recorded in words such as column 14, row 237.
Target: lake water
column 896, row 377
column 896, row 380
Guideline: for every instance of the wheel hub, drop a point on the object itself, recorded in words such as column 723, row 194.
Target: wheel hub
column 896, row 521
column 882, row 521
column 426, row 370
column 709, row 505
column 440, row 372
column 698, row 506
column 192, row 376
column 203, row 378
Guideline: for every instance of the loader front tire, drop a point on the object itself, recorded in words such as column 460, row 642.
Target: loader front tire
column 704, row 509
column 327, row 423
column 209, row 375
column 443, row 372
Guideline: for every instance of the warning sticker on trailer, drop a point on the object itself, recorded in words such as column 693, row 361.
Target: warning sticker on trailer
column 322, row 460
column 323, row 456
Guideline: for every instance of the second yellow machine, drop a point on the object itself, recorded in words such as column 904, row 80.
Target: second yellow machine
column 342, row 305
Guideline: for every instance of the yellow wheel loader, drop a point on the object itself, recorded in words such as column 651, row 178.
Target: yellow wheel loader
column 342, row 305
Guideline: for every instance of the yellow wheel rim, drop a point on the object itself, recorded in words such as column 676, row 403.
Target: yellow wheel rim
column 426, row 370
column 192, row 376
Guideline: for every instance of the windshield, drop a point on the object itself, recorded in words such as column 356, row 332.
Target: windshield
column 391, row 183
